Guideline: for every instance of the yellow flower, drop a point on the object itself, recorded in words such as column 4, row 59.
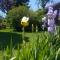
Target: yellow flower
column 24, row 21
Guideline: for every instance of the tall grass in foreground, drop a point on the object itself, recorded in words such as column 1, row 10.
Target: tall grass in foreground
column 45, row 47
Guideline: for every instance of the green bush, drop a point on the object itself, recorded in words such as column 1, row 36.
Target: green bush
column 15, row 15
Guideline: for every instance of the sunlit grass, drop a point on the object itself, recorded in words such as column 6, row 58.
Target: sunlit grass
column 6, row 30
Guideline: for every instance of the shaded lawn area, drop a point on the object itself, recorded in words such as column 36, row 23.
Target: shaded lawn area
column 5, row 39
column 7, row 34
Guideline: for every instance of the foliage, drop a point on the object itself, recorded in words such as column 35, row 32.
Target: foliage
column 42, row 2
column 33, row 16
column 41, row 46
column 21, row 2
column 2, row 23
column 15, row 15
column 8, row 4
column 7, row 53
column 40, row 14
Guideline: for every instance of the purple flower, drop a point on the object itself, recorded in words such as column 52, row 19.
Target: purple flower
column 51, row 29
column 51, row 22
column 51, row 25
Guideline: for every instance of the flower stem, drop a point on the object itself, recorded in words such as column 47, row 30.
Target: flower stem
column 23, row 34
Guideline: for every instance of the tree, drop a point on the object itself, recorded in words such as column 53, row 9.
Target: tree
column 8, row 4
column 42, row 2
column 21, row 2
column 15, row 15
column 40, row 14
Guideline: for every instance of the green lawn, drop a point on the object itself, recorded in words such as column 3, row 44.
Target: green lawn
column 6, row 30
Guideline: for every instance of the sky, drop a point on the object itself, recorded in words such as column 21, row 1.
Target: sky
column 33, row 5
column 2, row 14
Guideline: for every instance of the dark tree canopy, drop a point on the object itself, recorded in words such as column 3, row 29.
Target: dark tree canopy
column 21, row 2
column 7, row 4
column 42, row 2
